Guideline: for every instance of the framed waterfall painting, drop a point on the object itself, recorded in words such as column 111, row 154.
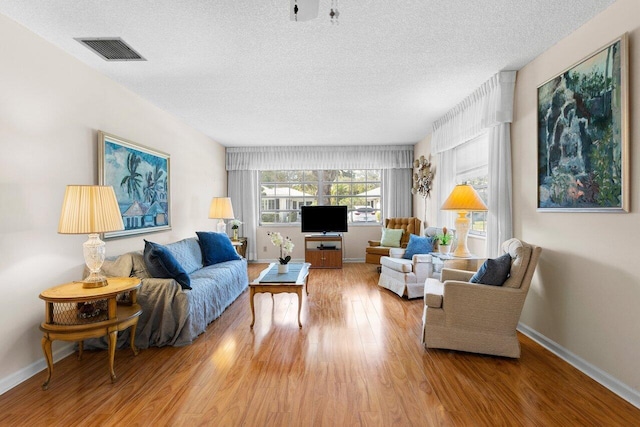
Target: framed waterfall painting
column 583, row 147
column 140, row 177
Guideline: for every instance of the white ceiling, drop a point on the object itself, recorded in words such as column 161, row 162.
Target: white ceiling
column 244, row 74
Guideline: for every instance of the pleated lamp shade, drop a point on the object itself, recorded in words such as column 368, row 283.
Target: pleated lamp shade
column 464, row 198
column 221, row 208
column 89, row 209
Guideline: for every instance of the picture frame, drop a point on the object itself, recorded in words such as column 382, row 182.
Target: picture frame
column 140, row 177
column 583, row 136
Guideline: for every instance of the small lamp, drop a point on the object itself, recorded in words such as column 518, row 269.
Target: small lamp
column 463, row 199
column 222, row 209
column 91, row 209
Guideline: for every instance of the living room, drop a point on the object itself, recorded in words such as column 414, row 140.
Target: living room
column 583, row 298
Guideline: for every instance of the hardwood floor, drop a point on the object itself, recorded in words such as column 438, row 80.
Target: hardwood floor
column 357, row 360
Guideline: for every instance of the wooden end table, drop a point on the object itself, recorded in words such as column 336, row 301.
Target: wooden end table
column 271, row 282
column 74, row 313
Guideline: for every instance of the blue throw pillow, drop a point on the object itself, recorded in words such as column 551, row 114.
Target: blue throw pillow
column 216, row 247
column 418, row 245
column 161, row 264
column 494, row 271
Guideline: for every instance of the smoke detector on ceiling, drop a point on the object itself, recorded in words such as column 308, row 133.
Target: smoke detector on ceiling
column 111, row 48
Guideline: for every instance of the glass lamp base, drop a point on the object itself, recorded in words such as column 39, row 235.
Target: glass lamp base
column 94, row 280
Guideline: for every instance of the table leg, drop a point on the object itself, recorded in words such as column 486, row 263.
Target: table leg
column 113, row 336
column 299, row 293
column 132, row 337
column 48, row 355
column 80, row 348
column 253, row 313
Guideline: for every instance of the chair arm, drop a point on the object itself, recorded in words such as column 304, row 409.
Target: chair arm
column 458, row 275
column 374, row 242
column 482, row 307
column 396, row 252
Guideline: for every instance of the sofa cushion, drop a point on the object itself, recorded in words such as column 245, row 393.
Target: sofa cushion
column 161, row 264
column 418, row 245
column 391, row 237
column 188, row 254
column 493, row 271
column 216, row 248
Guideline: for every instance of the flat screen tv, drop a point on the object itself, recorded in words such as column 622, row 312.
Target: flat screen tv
column 324, row 219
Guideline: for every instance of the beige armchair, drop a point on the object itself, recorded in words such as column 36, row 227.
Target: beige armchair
column 410, row 226
column 459, row 315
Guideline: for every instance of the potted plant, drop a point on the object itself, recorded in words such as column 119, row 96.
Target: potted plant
column 444, row 241
column 286, row 247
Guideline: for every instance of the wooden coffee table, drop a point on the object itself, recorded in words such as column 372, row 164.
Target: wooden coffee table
column 270, row 281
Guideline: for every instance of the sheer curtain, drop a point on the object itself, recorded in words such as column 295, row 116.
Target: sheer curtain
column 489, row 108
column 242, row 187
column 244, row 163
column 396, row 193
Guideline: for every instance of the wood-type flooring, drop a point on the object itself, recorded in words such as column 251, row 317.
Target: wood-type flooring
column 357, row 360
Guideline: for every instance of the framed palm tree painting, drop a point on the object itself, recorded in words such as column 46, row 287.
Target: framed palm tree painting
column 140, row 178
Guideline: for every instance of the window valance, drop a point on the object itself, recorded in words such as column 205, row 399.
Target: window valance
column 315, row 157
column 490, row 105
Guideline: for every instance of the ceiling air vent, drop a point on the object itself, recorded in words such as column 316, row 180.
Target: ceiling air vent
column 111, row 49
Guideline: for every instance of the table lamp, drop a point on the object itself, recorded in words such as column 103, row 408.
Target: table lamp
column 222, row 209
column 91, row 209
column 463, row 199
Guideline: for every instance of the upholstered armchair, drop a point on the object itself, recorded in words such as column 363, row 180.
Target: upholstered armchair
column 405, row 277
column 460, row 315
column 375, row 250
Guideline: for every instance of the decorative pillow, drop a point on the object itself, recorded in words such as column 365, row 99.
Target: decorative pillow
column 391, row 237
column 161, row 264
column 216, row 247
column 494, row 271
column 418, row 245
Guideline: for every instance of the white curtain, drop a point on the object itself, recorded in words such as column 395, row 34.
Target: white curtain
column 499, row 222
column 490, row 107
column 318, row 158
column 396, row 193
column 242, row 187
column 445, row 181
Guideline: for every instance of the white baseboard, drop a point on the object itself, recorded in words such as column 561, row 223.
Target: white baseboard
column 24, row 374
column 621, row 389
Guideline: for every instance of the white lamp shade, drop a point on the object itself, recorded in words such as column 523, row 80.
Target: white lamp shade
column 89, row 209
column 464, row 198
column 221, row 208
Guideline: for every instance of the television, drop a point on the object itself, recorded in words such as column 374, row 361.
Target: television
column 324, row 219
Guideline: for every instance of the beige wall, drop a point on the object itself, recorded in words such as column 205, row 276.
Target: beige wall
column 586, row 293
column 51, row 107
column 354, row 242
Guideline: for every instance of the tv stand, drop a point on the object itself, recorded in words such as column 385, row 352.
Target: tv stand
column 323, row 250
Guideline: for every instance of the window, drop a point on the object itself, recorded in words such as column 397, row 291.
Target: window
column 284, row 192
column 472, row 167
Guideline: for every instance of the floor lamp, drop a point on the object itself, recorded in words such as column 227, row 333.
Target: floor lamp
column 221, row 209
column 463, row 199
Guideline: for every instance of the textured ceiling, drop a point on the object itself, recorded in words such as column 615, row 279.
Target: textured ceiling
column 244, row 74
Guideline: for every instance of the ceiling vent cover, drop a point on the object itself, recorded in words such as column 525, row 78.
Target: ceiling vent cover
column 111, row 49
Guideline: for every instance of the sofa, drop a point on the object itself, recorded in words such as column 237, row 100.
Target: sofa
column 172, row 314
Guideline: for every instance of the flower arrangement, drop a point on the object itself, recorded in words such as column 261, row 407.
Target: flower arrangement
column 285, row 244
column 235, row 223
